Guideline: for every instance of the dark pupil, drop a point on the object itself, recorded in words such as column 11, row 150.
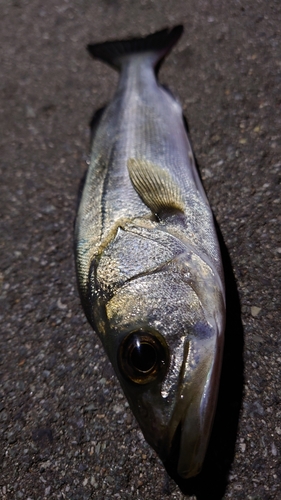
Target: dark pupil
column 143, row 357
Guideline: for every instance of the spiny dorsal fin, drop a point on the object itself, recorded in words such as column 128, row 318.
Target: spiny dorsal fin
column 155, row 186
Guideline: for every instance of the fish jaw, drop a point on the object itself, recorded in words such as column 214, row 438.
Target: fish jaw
column 197, row 417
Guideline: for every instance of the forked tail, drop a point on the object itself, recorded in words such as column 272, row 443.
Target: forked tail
column 157, row 46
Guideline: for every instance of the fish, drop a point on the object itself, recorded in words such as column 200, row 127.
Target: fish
column 148, row 261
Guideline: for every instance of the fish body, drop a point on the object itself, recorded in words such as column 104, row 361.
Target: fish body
column 147, row 257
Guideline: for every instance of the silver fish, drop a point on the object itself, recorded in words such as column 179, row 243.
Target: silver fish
column 147, row 256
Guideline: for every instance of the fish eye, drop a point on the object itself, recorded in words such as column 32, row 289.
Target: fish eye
column 143, row 356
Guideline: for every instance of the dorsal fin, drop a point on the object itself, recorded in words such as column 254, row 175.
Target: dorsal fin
column 155, row 186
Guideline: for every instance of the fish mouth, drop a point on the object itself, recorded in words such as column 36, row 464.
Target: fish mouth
column 188, row 448
column 191, row 424
column 182, row 440
column 192, row 449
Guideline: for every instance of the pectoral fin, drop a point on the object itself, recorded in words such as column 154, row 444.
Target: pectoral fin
column 155, row 186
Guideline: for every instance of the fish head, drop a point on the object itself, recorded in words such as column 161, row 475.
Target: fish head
column 164, row 341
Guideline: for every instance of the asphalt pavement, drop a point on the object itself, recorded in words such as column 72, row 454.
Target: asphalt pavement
column 66, row 429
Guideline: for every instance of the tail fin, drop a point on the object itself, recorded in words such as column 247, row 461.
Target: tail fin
column 159, row 44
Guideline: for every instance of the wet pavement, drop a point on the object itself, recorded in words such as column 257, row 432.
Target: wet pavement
column 65, row 427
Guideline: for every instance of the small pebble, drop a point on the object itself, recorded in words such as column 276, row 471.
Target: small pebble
column 93, row 481
column 30, row 113
column 61, row 305
column 91, row 407
column 255, row 311
column 273, row 450
column 110, row 479
column 207, row 173
column 117, row 408
column 258, row 339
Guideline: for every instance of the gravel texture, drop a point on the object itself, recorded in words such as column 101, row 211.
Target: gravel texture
column 66, row 429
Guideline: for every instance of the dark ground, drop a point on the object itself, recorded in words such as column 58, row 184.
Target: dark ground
column 66, row 429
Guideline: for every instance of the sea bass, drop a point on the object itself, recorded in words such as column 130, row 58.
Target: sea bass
column 147, row 257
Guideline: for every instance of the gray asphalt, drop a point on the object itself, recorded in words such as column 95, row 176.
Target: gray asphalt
column 65, row 426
